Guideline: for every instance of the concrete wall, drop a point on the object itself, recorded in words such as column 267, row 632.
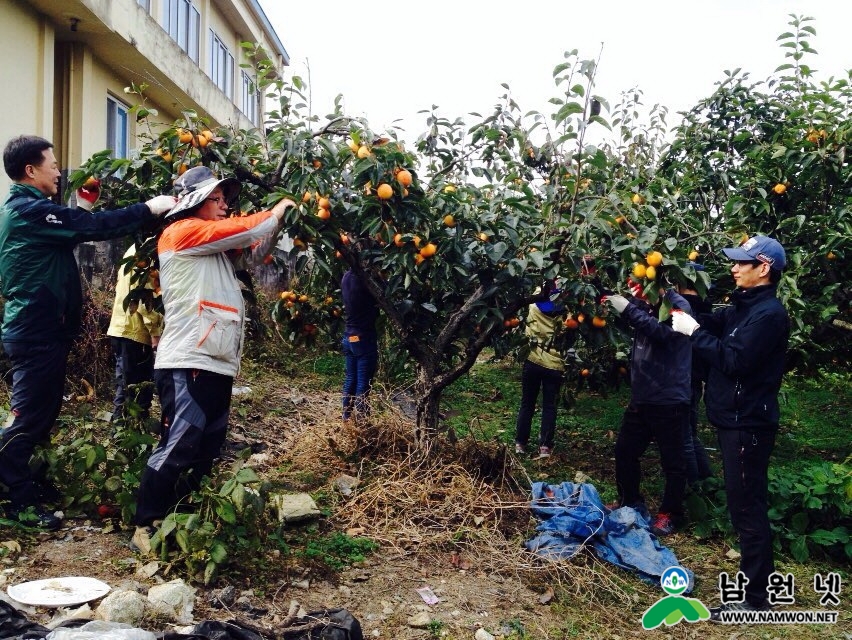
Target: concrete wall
column 61, row 58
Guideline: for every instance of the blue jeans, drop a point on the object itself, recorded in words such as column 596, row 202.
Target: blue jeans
column 362, row 359
column 534, row 378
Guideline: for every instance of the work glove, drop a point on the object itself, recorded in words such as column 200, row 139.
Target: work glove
column 88, row 194
column 683, row 323
column 636, row 289
column 160, row 205
column 619, row 303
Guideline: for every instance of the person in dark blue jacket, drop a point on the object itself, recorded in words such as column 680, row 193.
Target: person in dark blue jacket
column 40, row 283
column 661, row 363
column 360, row 344
column 745, row 346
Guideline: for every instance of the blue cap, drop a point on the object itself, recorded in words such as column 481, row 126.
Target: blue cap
column 549, row 306
column 761, row 248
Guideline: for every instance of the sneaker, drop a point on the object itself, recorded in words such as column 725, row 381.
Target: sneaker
column 141, row 540
column 35, row 516
column 543, row 452
column 663, row 525
column 520, row 449
column 716, row 612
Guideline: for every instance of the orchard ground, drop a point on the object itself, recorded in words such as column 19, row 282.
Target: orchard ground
column 457, row 527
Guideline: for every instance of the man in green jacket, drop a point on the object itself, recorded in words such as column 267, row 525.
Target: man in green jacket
column 40, row 283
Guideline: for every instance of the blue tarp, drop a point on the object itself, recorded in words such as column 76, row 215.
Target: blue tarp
column 572, row 515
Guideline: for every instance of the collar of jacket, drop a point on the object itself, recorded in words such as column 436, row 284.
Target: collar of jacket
column 753, row 295
column 17, row 190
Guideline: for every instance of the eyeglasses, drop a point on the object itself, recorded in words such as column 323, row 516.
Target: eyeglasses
column 217, row 200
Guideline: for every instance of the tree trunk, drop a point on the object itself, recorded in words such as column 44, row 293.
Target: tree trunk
column 428, row 399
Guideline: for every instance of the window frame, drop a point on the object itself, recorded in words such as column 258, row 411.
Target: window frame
column 182, row 21
column 250, row 98
column 221, row 65
column 118, row 127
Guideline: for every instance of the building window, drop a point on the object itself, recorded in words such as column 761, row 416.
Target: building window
column 145, row 4
column 221, row 65
column 183, row 23
column 117, row 136
column 250, row 98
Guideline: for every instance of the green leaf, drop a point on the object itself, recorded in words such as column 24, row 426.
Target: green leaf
column 247, row 475
column 799, row 522
column 225, row 510
column 218, row 553
column 228, row 487
column 182, row 538
column 799, row 549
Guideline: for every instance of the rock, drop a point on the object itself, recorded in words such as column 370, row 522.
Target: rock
column 482, row 634
column 175, row 599
column 63, row 614
column 301, row 584
column 345, row 591
column 222, row 597
column 128, row 607
column 148, row 570
column 420, row 620
column 345, row 484
column 733, row 554
column 294, row 507
column 580, row 478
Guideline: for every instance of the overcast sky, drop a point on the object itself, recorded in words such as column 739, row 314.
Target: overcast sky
column 392, row 59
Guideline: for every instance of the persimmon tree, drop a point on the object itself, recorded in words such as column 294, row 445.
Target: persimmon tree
column 456, row 235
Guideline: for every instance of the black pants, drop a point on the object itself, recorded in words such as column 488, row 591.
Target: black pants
column 535, row 378
column 38, row 379
column 745, row 456
column 134, row 365
column 697, row 461
column 642, row 423
column 195, row 406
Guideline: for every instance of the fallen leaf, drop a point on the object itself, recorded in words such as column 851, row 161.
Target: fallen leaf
column 547, row 596
column 11, row 545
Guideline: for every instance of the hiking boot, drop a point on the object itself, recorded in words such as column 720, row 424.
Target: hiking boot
column 520, row 449
column 543, row 452
column 732, row 607
column 663, row 525
column 34, row 516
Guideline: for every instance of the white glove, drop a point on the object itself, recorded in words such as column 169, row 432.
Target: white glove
column 619, row 303
column 160, row 205
column 683, row 323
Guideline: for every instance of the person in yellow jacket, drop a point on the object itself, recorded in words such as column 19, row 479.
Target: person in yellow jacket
column 543, row 371
column 134, row 330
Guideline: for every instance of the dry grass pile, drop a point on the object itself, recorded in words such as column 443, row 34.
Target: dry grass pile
column 465, row 505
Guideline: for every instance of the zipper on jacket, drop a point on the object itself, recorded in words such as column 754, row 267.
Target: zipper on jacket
column 737, row 390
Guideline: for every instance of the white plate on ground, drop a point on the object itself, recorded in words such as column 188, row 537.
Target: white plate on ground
column 58, row 592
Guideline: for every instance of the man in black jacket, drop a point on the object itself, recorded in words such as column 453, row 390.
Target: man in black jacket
column 744, row 346
column 40, row 283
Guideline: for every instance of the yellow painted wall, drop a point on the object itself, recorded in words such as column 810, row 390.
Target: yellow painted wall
column 26, row 73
